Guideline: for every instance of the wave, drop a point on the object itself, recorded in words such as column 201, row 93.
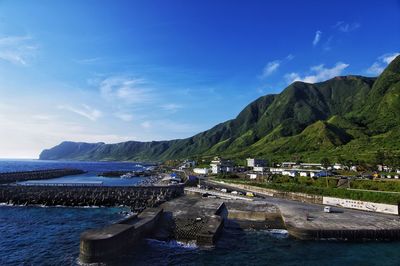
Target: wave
column 173, row 244
column 276, row 233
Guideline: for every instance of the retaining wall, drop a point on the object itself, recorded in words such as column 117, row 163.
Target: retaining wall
column 275, row 193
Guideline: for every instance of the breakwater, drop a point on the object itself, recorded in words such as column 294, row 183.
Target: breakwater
column 104, row 244
column 12, row 177
column 137, row 198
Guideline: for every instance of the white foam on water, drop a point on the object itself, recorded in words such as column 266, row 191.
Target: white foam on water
column 276, row 233
column 174, row 244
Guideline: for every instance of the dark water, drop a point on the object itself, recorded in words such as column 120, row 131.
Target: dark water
column 50, row 236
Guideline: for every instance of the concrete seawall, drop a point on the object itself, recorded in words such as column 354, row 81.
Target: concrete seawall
column 12, row 177
column 99, row 245
column 302, row 197
column 137, row 198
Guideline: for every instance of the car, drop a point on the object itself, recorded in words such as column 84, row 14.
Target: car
column 249, row 194
column 327, row 209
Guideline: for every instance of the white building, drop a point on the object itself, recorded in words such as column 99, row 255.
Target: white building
column 338, row 166
column 201, row 171
column 219, row 165
column 311, row 165
column 252, row 176
column 187, row 164
column 276, row 170
column 252, row 162
column 289, row 173
column 259, row 169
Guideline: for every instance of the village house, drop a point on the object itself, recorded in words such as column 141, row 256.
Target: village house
column 259, row 169
column 187, row 164
column 219, row 165
column 311, row 165
column 201, row 171
column 288, row 164
column 252, row 162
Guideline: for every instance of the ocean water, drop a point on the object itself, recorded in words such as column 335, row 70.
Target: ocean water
column 92, row 168
column 50, row 236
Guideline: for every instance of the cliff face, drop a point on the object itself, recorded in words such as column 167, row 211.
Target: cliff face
column 352, row 116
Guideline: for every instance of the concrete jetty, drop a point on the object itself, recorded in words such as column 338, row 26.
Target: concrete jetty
column 99, row 245
column 199, row 219
column 12, row 177
column 190, row 218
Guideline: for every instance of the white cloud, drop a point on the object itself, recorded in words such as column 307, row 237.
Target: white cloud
column 172, row 107
column 317, row 37
column 126, row 89
column 273, row 66
column 380, row 64
column 319, row 73
column 88, row 61
column 17, row 49
column 24, row 136
column 270, row 68
column 124, row 116
column 86, row 111
column 388, row 58
column 346, row 27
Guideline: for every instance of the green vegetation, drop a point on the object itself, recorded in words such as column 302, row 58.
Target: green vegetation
column 318, row 187
column 378, row 185
column 350, row 117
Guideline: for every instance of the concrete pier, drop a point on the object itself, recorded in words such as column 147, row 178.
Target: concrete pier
column 12, row 177
column 187, row 218
column 306, row 220
column 100, row 245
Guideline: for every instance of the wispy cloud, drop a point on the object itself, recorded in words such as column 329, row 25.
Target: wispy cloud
column 85, row 111
column 126, row 89
column 319, row 73
column 88, row 61
column 346, row 27
column 382, row 61
column 317, row 37
column 172, row 107
column 17, row 49
column 272, row 66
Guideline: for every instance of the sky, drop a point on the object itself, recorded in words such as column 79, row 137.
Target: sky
column 112, row 71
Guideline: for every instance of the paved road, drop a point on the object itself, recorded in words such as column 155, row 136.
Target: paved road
column 307, row 215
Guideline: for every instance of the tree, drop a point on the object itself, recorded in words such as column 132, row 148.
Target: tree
column 325, row 163
column 380, row 157
column 342, row 161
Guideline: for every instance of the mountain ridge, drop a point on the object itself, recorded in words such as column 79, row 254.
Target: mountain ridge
column 330, row 118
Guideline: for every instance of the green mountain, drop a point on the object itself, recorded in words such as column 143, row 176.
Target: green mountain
column 350, row 116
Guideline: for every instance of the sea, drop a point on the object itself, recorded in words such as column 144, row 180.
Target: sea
column 34, row 235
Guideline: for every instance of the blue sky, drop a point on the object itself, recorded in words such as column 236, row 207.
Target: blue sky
column 151, row 70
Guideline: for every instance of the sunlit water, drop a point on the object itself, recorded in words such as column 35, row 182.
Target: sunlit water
column 50, row 236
